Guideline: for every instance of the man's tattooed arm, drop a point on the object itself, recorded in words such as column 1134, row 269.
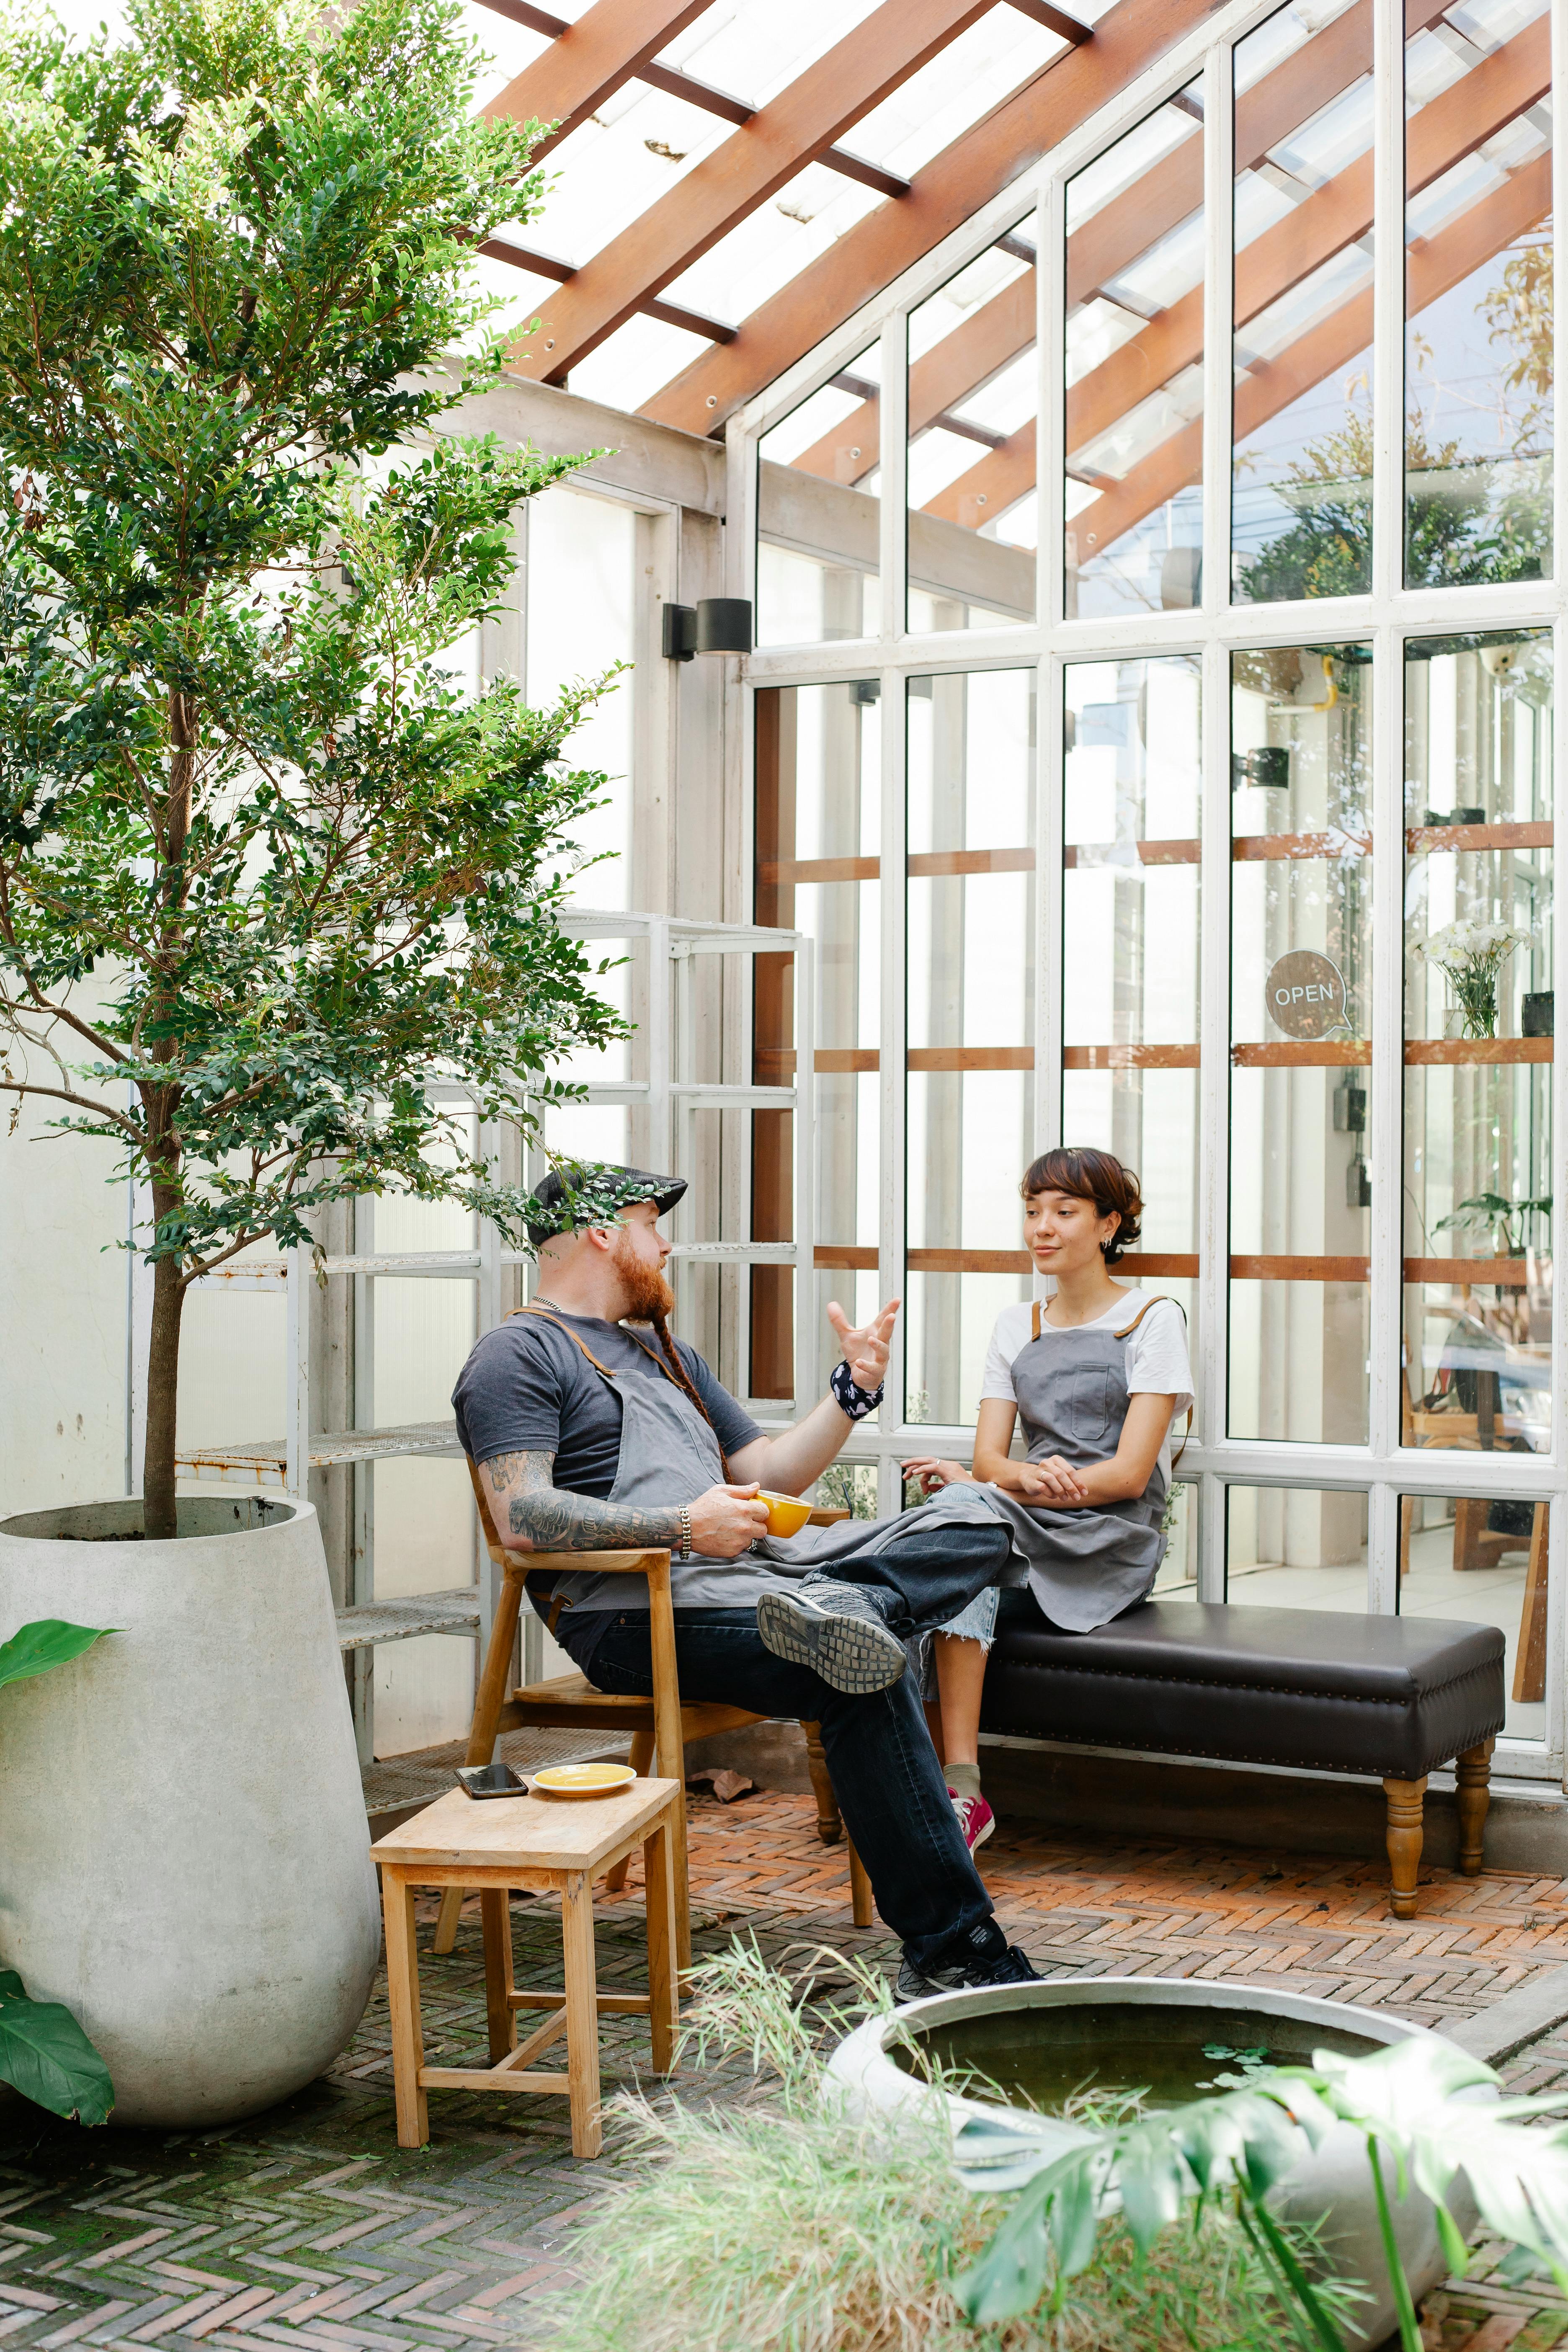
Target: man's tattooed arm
column 534, row 1515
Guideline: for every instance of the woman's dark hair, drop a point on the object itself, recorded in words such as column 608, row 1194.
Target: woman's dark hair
column 1091, row 1176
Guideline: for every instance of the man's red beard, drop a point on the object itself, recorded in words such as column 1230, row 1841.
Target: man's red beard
column 650, row 1298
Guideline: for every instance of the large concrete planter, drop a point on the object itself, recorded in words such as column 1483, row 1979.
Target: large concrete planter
column 1097, row 2022
column 185, row 1860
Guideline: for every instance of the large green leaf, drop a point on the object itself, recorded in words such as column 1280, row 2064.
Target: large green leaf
column 45, row 2054
column 47, row 1642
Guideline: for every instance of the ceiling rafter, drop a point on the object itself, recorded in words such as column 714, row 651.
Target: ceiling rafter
column 547, row 264
column 805, row 118
column 943, row 194
column 1334, row 217
column 561, row 87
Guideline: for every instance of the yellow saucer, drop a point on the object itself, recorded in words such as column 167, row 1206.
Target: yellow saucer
column 582, row 1779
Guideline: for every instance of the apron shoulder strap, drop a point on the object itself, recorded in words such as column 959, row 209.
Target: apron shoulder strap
column 1034, row 1322
column 545, row 1317
column 1160, row 1299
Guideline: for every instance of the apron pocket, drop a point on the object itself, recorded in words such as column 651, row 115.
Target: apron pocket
column 1086, row 1403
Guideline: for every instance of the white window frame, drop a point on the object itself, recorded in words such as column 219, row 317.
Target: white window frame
column 1383, row 618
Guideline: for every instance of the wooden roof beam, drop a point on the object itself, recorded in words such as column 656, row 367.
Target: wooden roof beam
column 1435, row 267
column 1334, row 216
column 588, row 61
column 513, row 100
column 834, row 91
column 546, row 265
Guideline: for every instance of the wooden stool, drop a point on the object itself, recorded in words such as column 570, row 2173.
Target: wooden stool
column 546, row 1844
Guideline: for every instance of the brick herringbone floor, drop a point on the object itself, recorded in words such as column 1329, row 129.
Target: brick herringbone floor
column 308, row 2227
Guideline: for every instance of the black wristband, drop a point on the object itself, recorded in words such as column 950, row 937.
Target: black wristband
column 848, row 1397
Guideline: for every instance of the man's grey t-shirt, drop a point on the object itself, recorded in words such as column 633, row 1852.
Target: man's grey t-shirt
column 528, row 1389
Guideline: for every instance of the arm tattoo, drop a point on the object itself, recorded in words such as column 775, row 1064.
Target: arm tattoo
column 554, row 1519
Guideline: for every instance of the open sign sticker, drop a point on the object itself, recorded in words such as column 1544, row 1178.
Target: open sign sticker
column 1305, row 994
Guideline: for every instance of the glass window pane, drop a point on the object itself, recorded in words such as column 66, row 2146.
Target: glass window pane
column 1301, row 487
column 974, row 390
column 1302, row 1041
column 819, row 514
column 971, row 1085
column 1295, row 1548
column 818, row 811
column 1478, row 338
column 1134, row 369
column 1129, row 943
column 1484, row 1561
column 1478, row 1044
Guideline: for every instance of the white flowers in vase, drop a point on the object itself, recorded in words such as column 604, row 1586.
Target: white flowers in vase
column 1472, row 954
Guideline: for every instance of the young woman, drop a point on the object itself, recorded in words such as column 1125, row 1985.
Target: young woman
column 1097, row 1372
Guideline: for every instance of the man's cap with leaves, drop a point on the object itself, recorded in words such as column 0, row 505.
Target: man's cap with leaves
column 591, row 1193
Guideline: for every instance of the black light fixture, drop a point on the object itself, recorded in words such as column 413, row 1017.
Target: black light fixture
column 718, row 625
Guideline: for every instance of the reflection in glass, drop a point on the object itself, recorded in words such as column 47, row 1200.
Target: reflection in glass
column 1295, row 1548
column 1301, row 1029
column 819, row 514
column 816, row 839
column 1478, row 1079
column 1484, row 1561
column 1301, row 493
column 971, row 1086
column 973, row 511
column 1129, row 943
column 1478, row 340
column 1134, row 369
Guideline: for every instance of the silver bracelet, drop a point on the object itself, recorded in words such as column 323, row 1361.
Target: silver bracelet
column 685, row 1517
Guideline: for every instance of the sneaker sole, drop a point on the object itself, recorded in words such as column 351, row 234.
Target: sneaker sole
column 850, row 1654
column 983, row 1834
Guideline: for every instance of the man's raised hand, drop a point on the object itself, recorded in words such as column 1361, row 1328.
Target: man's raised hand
column 865, row 1349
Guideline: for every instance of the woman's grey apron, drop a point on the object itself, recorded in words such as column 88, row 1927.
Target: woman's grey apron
column 1083, row 1567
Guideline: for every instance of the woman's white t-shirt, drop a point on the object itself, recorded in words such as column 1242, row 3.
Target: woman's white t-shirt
column 1157, row 1360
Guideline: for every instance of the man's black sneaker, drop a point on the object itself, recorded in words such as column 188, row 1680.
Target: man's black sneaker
column 837, row 1629
column 982, row 1957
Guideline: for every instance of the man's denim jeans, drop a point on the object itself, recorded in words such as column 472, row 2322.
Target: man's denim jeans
column 888, row 1784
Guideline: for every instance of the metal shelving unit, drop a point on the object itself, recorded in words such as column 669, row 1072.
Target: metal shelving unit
column 671, row 1097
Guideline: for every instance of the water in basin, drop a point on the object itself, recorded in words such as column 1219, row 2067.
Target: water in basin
column 1041, row 2056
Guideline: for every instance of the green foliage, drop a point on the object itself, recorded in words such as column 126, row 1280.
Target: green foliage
column 47, row 1642
column 45, row 2054
column 1506, row 1220
column 266, row 868
column 785, row 2225
column 1407, row 2101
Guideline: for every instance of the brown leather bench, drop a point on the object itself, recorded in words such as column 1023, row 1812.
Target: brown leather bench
column 1392, row 1697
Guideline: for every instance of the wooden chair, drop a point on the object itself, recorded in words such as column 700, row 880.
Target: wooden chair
column 1478, row 1546
column 659, row 1727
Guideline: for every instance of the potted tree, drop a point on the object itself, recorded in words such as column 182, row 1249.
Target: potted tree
column 265, row 868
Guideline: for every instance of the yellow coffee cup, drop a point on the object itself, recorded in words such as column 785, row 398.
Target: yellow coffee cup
column 786, row 1513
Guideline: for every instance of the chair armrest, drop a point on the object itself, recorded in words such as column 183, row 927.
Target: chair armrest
column 575, row 1563
column 825, row 1515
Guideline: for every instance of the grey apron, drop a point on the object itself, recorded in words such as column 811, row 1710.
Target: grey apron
column 1084, row 1567
column 669, row 1455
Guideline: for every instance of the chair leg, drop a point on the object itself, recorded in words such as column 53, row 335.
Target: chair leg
column 402, row 2005
column 642, row 1764
column 859, row 1890
column 664, row 2016
column 1473, row 1773
column 829, row 1825
column 495, row 1910
column 581, row 2013
column 1406, row 1801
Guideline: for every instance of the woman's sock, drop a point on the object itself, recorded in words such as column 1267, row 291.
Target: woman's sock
column 963, row 1779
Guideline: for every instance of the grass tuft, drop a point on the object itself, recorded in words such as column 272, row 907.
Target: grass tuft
column 782, row 2225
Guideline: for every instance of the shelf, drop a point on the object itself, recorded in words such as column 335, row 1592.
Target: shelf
column 272, row 1273
column 377, row 1622
column 263, row 1458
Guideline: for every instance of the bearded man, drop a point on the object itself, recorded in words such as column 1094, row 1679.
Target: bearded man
column 595, row 1430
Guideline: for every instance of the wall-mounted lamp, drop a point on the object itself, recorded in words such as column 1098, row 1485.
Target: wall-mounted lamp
column 718, row 624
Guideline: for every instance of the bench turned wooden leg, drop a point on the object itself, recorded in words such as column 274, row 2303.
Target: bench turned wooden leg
column 1406, row 1801
column 860, row 1905
column 1473, row 1773
column 642, row 1764
column 829, row 1825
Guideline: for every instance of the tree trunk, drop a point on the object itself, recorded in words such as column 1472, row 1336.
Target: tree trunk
column 162, row 1384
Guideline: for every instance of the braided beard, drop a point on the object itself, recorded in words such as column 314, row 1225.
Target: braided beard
column 650, row 1298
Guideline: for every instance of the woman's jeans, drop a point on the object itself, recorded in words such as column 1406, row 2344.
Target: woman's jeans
column 890, row 1785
